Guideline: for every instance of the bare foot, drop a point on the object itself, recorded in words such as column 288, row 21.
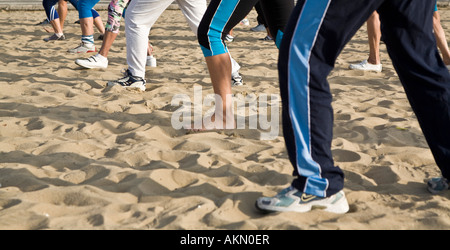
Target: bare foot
column 48, row 29
column 210, row 124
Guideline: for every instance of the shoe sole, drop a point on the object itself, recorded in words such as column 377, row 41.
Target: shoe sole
column 82, row 52
column 142, row 87
column 90, row 67
column 234, row 84
column 340, row 207
column 432, row 191
column 371, row 70
column 53, row 40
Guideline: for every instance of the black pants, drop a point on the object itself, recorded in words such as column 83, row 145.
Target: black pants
column 313, row 39
column 222, row 15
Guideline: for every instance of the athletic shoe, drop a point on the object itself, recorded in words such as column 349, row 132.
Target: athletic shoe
column 236, row 79
column 366, row 66
column 437, row 185
column 258, row 28
column 267, row 38
column 93, row 62
column 45, row 22
column 292, row 200
column 129, row 81
column 83, row 48
column 229, row 38
column 245, row 22
column 55, row 37
column 151, row 61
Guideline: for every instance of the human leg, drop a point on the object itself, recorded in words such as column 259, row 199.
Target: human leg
column 98, row 23
column 87, row 26
column 140, row 17
column 53, row 17
column 407, row 28
column 62, row 11
column 115, row 11
column 373, row 63
column 304, row 65
column 85, row 14
column 374, row 34
column 219, row 19
column 440, row 38
column 193, row 11
column 277, row 13
column 315, row 35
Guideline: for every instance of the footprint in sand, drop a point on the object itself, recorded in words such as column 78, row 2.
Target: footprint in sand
column 341, row 155
column 382, row 175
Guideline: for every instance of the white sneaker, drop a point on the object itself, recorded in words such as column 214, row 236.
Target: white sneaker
column 365, row 65
column 83, row 48
column 151, row 61
column 245, row 22
column 229, row 38
column 292, row 200
column 93, row 62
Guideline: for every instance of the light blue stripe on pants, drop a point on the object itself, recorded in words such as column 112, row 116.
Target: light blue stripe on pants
column 218, row 23
column 305, row 36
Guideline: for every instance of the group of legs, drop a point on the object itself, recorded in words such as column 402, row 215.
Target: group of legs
column 373, row 62
column 316, row 34
column 310, row 39
column 140, row 18
column 220, row 17
column 313, row 38
column 116, row 10
column 58, row 17
column 89, row 17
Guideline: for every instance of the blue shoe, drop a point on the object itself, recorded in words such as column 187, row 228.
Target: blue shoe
column 437, row 185
column 292, row 200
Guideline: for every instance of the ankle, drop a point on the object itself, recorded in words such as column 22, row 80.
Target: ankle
column 374, row 61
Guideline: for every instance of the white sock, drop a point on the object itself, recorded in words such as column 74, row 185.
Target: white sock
column 59, row 34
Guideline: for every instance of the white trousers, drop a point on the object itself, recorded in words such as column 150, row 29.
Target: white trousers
column 139, row 19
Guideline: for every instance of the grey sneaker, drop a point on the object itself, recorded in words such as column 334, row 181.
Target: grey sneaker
column 437, row 185
column 258, row 28
column 292, row 200
column 83, row 48
column 129, row 81
column 266, row 38
column 55, row 37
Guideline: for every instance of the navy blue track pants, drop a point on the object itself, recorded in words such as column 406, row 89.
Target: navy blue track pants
column 314, row 37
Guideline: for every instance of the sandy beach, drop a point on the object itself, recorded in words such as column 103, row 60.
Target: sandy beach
column 75, row 154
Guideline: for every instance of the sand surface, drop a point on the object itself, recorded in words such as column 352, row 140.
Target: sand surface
column 75, row 154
